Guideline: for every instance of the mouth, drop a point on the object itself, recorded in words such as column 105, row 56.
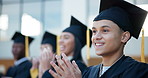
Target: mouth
column 99, row 44
column 62, row 48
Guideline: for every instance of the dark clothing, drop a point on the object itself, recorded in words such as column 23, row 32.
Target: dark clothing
column 80, row 64
column 20, row 71
column 126, row 67
column 1, row 74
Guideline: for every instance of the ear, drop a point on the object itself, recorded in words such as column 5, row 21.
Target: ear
column 125, row 37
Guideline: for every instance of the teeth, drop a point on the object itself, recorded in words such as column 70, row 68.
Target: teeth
column 99, row 44
column 61, row 47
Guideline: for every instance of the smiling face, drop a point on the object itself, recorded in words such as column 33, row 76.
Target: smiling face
column 67, row 43
column 108, row 38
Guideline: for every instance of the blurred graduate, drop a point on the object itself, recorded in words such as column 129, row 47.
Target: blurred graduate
column 72, row 40
column 116, row 23
column 48, row 51
column 22, row 65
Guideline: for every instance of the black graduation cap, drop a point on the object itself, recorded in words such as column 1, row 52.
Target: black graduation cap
column 49, row 38
column 19, row 38
column 78, row 30
column 126, row 15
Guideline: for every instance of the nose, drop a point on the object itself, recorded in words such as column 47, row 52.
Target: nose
column 61, row 41
column 97, row 36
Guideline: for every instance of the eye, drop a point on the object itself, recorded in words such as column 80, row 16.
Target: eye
column 105, row 30
column 94, row 31
column 66, row 37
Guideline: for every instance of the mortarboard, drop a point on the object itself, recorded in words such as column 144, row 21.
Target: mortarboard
column 19, row 38
column 49, row 38
column 78, row 30
column 126, row 15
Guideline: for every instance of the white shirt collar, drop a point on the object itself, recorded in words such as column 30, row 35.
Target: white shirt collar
column 70, row 57
column 20, row 61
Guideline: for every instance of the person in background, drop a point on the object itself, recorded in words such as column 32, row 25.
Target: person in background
column 116, row 23
column 48, row 50
column 22, row 65
column 72, row 40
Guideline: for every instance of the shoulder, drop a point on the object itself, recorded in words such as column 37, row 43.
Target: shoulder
column 91, row 70
column 27, row 62
column 26, row 65
column 135, row 69
column 82, row 66
column 133, row 63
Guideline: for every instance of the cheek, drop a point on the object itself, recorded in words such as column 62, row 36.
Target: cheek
column 70, row 43
column 92, row 38
column 113, row 41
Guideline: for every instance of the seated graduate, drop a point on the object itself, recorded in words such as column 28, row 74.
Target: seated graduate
column 22, row 65
column 48, row 50
column 72, row 40
column 117, row 22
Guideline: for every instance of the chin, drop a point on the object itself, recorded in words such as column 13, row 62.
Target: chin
column 63, row 52
column 99, row 53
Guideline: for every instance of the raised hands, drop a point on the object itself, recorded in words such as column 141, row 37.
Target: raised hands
column 45, row 58
column 35, row 63
column 65, row 69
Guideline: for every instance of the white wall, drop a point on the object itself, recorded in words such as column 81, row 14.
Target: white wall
column 77, row 8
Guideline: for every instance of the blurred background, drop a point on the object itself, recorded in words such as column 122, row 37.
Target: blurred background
column 33, row 17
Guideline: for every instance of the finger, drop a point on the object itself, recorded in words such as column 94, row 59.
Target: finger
column 47, row 55
column 75, row 65
column 55, row 75
column 57, row 68
column 61, row 63
column 44, row 55
column 53, row 57
column 68, row 63
column 51, row 54
column 41, row 56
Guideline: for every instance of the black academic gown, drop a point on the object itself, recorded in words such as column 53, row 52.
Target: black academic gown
column 126, row 67
column 80, row 64
column 20, row 71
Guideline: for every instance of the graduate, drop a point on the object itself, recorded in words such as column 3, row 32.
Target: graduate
column 22, row 65
column 117, row 22
column 48, row 51
column 72, row 40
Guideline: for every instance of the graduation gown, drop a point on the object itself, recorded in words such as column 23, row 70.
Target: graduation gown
column 20, row 71
column 126, row 67
column 80, row 64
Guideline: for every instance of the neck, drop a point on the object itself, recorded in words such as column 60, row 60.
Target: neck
column 111, row 59
column 70, row 54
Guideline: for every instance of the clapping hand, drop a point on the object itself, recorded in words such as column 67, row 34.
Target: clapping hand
column 65, row 68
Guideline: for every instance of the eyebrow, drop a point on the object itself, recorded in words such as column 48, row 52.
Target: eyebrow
column 102, row 27
column 93, row 27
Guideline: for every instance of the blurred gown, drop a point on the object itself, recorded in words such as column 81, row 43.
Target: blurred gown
column 126, row 67
column 20, row 71
column 80, row 64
